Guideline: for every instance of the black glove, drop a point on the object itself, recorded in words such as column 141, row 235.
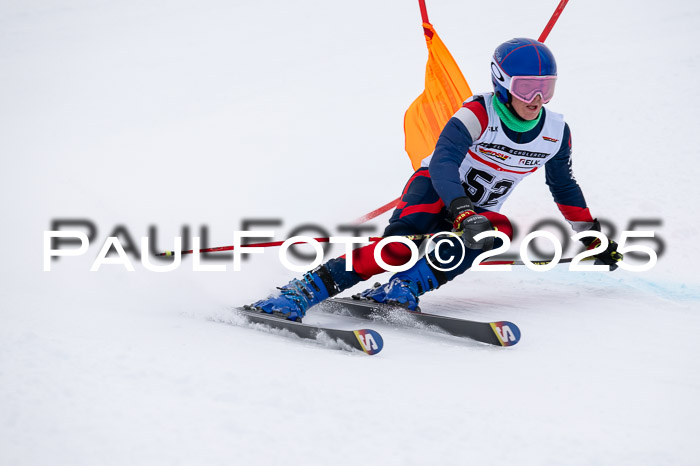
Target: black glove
column 608, row 257
column 464, row 219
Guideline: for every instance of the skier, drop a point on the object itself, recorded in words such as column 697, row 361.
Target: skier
column 488, row 146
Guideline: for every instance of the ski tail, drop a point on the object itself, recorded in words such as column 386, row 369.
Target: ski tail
column 370, row 341
column 366, row 340
column 508, row 333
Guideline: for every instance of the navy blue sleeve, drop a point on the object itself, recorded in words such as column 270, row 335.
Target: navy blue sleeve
column 562, row 184
column 450, row 150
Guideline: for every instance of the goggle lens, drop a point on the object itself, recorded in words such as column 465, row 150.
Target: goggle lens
column 526, row 88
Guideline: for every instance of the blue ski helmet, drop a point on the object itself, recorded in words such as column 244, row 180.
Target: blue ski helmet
column 519, row 57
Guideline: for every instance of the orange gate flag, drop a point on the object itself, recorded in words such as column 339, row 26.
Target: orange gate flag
column 445, row 90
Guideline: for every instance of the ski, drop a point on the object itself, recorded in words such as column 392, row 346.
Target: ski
column 501, row 333
column 365, row 340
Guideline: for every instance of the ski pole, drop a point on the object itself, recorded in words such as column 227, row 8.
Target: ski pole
column 564, row 260
column 371, row 239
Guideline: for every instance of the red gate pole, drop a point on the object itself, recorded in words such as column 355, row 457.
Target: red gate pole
column 553, row 20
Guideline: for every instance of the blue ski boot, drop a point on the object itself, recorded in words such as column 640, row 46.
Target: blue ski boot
column 405, row 287
column 298, row 296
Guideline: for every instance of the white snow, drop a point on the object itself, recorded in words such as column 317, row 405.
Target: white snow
column 208, row 113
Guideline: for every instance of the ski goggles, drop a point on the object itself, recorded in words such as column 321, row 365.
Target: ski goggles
column 525, row 88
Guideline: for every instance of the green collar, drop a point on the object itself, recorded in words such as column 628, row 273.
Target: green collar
column 511, row 120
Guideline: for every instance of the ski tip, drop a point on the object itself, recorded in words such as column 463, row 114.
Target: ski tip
column 508, row 333
column 370, row 341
